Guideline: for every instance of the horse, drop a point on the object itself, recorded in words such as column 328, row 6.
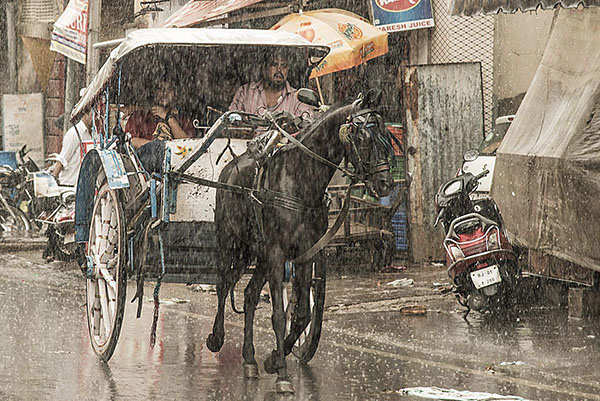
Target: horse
column 253, row 229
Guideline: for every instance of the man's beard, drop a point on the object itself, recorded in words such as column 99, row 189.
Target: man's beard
column 279, row 84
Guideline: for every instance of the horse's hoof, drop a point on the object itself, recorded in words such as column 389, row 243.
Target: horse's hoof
column 213, row 343
column 284, row 387
column 269, row 365
column 250, row 371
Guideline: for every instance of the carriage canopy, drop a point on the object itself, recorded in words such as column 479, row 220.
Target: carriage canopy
column 148, row 55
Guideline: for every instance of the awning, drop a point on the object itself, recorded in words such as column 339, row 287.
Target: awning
column 474, row 7
column 202, row 10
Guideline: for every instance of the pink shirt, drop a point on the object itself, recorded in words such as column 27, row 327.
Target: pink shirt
column 250, row 98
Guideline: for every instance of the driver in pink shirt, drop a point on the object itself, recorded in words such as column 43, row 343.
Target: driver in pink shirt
column 273, row 93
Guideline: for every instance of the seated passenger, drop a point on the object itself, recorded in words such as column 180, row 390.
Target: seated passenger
column 162, row 122
column 272, row 93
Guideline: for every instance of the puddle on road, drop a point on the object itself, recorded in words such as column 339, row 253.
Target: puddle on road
column 47, row 354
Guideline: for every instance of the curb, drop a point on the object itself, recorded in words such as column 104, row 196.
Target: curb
column 22, row 245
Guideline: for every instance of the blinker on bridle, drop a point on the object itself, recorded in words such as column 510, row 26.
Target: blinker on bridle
column 348, row 133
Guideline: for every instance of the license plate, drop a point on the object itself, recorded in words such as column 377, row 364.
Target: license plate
column 487, row 276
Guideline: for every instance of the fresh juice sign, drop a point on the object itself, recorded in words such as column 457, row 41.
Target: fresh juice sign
column 401, row 15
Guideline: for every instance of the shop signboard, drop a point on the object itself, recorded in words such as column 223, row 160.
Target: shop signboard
column 23, row 124
column 401, row 15
column 69, row 36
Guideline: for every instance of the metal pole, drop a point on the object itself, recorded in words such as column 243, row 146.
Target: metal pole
column 71, row 91
column 93, row 55
column 11, row 33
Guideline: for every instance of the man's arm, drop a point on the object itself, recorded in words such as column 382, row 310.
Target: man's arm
column 239, row 99
column 137, row 142
column 69, row 147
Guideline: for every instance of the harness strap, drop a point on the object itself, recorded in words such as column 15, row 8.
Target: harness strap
column 324, row 240
column 310, row 152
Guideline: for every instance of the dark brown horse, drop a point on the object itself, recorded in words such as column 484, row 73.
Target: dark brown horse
column 249, row 228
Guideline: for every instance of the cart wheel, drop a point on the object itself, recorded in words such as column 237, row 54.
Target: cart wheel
column 107, row 286
column 307, row 343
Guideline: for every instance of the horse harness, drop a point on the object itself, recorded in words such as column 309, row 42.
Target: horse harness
column 263, row 196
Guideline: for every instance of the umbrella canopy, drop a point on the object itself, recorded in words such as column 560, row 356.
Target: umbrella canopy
column 352, row 39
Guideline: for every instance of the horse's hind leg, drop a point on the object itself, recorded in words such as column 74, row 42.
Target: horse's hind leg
column 251, row 297
column 301, row 313
column 275, row 363
column 227, row 278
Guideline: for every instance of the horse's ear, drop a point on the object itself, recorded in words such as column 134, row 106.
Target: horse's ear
column 372, row 98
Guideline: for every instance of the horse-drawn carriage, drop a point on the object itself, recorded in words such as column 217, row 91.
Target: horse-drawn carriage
column 213, row 209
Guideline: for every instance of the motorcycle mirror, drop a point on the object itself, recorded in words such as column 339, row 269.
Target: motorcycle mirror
column 308, row 96
column 470, row 155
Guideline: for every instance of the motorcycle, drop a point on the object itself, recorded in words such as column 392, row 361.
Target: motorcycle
column 481, row 261
column 58, row 216
column 13, row 191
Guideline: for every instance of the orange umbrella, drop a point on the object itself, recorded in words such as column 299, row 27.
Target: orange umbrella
column 353, row 39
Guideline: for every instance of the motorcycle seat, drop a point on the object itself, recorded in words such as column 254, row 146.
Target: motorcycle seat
column 470, row 220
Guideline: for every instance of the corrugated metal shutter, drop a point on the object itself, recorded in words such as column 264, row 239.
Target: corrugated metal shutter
column 463, row 40
column 473, row 7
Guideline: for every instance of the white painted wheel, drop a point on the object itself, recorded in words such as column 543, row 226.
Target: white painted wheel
column 107, row 286
column 306, row 345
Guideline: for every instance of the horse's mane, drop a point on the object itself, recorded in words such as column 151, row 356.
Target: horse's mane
column 333, row 111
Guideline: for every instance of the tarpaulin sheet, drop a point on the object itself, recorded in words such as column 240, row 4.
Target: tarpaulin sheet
column 475, row 7
column 547, row 173
column 197, row 11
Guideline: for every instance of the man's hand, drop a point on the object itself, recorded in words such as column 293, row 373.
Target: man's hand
column 159, row 111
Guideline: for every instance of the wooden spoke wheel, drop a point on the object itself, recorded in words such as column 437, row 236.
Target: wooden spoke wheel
column 306, row 345
column 107, row 285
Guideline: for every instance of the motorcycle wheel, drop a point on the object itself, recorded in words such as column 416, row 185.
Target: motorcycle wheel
column 8, row 223
column 60, row 250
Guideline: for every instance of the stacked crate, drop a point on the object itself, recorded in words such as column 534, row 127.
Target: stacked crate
column 399, row 220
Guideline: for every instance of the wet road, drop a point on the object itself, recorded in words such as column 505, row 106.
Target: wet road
column 369, row 349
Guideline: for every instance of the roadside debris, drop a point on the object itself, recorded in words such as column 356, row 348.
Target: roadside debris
column 402, row 282
column 442, row 288
column 414, row 310
column 436, row 264
column 512, row 363
column 436, row 393
column 393, row 269
column 203, row 288
column 170, row 301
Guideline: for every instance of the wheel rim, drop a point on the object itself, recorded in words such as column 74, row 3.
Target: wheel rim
column 103, row 287
column 12, row 224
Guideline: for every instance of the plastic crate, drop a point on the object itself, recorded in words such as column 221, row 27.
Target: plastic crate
column 400, row 229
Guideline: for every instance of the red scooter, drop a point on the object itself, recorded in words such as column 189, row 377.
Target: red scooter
column 481, row 262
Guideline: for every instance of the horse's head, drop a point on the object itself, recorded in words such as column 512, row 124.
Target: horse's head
column 369, row 146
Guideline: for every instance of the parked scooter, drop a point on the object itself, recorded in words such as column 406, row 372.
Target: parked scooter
column 14, row 197
column 58, row 216
column 480, row 260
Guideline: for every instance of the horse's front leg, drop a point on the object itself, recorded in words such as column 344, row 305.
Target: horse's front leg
column 251, row 297
column 275, row 363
